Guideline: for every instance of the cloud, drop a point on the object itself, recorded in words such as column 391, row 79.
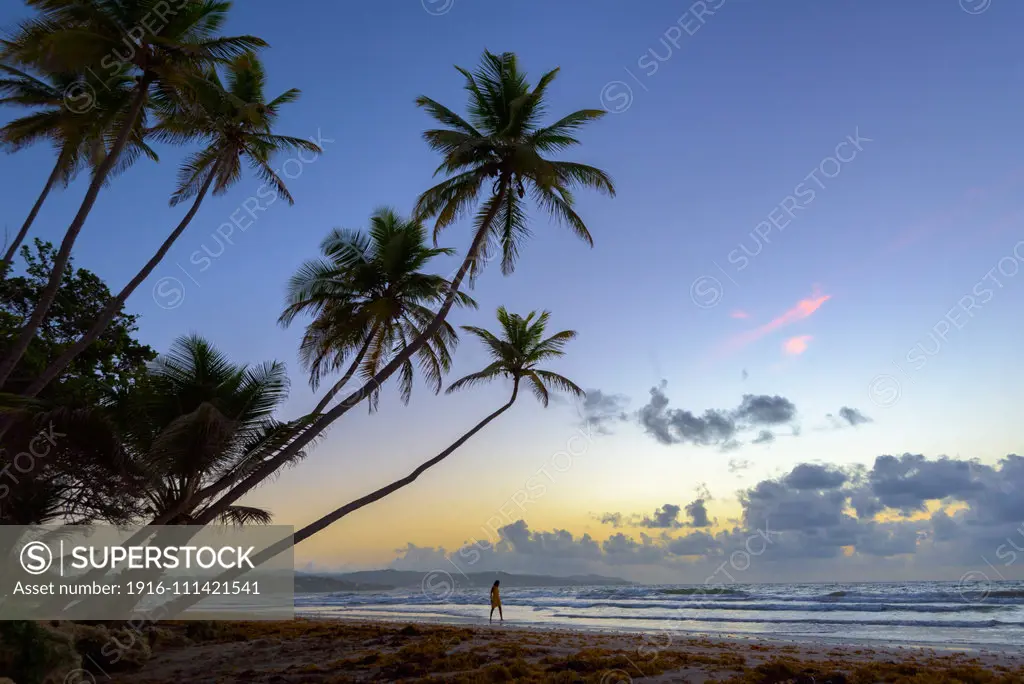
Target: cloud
column 518, row 538
column 693, row 544
column 813, row 476
column 795, row 346
column 801, row 310
column 763, row 437
column 698, row 513
column 853, row 416
column 600, row 410
column 715, row 427
column 815, row 522
column 613, row 519
column 907, row 482
column 675, row 426
column 847, row 417
column 738, row 465
column 622, row 550
column 739, row 314
column 666, row 517
column 765, row 410
column 744, row 375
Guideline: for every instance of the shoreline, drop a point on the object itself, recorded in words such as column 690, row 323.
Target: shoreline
column 354, row 650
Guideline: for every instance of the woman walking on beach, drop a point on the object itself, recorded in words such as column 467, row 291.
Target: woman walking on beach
column 496, row 601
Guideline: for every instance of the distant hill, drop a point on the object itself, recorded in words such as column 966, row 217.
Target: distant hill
column 321, row 584
column 411, row 578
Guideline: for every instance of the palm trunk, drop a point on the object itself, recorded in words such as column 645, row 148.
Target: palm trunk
column 114, row 306
column 309, row 530
column 314, row 527
column 49, row 293
column 321, row 423
column 20, row 237
column 348, row 374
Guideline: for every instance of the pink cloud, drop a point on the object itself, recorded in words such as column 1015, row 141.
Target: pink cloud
column 739, row 314
column 801, row 310
column 795, row 346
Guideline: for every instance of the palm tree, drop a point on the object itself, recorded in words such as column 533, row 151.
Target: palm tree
column 370, row 299
column 504, row 144
column 143, row 450
column 198, row 417
column 195, row 419
column 516, row 354
column 78, row 136
column 231, row 123
column 68, row 34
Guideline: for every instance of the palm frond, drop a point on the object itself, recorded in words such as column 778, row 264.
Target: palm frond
column 502, row 141
column 245, row 515
column 516, row 351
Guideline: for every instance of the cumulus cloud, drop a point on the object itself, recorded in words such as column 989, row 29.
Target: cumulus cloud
column 765, row 410
column 848, row 417
column 665, row 517
column 763, row 437
column 813, row 476
column 907, row 482
column 715, row 427
column 693, row 544
column 698, row 513
column 602, row 410
column 814, row 522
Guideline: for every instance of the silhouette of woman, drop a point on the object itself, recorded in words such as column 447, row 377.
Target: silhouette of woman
column 496, row 601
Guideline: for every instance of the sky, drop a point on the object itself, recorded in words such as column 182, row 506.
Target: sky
column 798, row 323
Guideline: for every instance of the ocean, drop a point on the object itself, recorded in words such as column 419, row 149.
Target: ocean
column 917, row 613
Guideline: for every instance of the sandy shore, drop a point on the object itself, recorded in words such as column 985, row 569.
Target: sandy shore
column 336, row 651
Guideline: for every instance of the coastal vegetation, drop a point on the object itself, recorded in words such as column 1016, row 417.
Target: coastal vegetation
column 184, row 435
column 180, row 436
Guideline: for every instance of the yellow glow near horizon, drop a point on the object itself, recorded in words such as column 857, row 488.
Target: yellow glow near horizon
column 374, row 536
column 478, row 494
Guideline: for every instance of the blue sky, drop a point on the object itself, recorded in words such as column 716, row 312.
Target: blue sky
column 734, row 118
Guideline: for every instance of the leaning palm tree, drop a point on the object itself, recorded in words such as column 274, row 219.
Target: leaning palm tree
column 503, row 143
column 70, row 35
column 232, row 123
column 77, row 133
column 370, row 299
column 516, row 354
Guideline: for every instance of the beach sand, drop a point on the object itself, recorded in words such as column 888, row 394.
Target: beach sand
column 322, row 651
